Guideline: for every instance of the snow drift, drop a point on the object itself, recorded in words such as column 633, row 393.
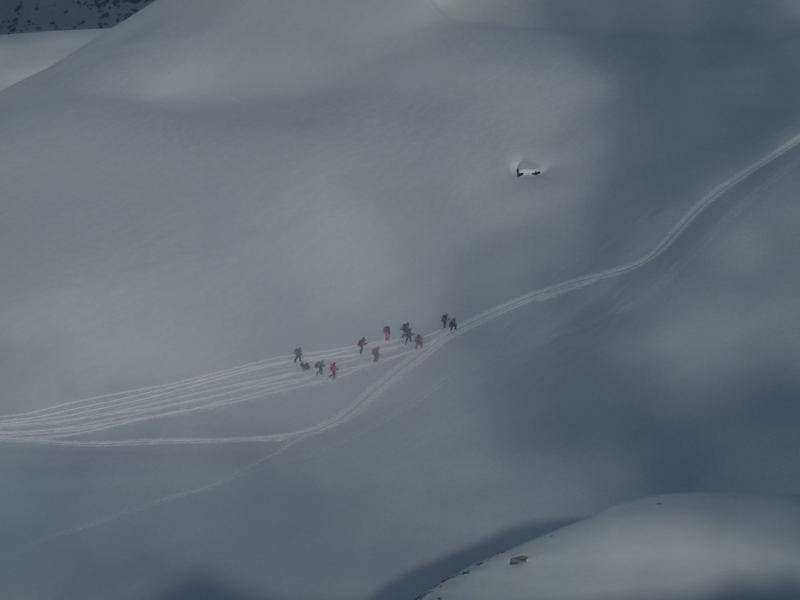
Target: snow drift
column 665, row 547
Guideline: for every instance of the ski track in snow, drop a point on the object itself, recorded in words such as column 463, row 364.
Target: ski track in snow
column 269, row 377
column 266, row 378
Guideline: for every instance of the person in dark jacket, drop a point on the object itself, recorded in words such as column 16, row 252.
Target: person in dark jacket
column 453, row 324
column 444, row 320
column 298, row 354
column 387, row 333
column 319, row 366
column 361, row 343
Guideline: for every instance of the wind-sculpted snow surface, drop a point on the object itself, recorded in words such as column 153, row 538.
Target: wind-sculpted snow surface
column 24, row 55
column 708, row 547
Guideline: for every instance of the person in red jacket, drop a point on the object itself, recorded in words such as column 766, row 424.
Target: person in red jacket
column 333, row 368
column 361, row 343
column 376, row 354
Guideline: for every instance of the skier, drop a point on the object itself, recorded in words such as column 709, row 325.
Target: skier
column 361, row 343
column 453, row 325
column 376, row 354
column 418, row 341
column 387, row 333
column 333, row 369
column 304, row 365
column 444, row 320
column 319, row 366
column 298, row 354
column 406, row 329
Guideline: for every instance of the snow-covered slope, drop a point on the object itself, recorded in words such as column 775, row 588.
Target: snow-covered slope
column 23, row 55
column 663, row 547
column 207, row 186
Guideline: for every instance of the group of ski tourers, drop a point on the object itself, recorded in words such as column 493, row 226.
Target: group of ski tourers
column 407, row 337
column 319, row 365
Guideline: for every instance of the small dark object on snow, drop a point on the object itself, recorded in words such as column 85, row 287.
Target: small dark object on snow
column 527, row 168
column 518, row 560
column 526, row 172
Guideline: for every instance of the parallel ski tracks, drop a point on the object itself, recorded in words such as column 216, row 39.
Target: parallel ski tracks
column 258, row 381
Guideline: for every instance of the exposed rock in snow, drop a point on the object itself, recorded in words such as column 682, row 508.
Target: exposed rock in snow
column 23, row 16
column 527, row 168
column 697, row 546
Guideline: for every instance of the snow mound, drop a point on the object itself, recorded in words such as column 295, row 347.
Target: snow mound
column 664, row 16
column 677, row 546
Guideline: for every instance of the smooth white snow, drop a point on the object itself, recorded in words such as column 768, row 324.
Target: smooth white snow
column 207, row 186
column 665, row 547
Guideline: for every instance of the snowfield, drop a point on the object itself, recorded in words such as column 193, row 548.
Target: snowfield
column 208, row 185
